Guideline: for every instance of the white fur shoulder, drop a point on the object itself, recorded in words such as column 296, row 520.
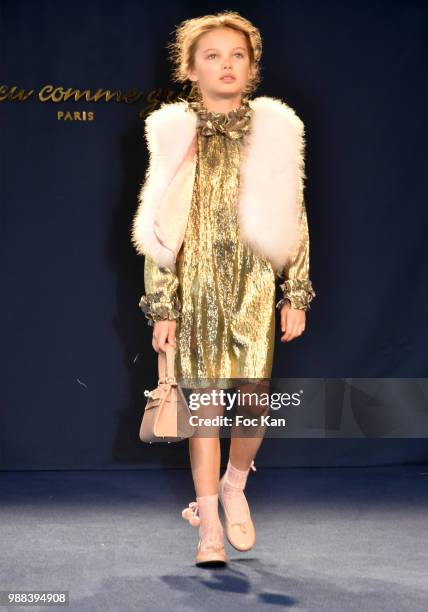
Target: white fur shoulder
column 167, row 125
column 276, row 107
column 272, row 180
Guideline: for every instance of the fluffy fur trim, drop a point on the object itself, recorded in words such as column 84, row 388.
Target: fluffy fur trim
column 169, row 132
column 272, row 181
column 271, row 178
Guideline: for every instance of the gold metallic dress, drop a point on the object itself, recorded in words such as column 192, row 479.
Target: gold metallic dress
column 222, row 295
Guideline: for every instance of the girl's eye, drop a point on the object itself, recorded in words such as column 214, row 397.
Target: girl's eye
column 215, row 54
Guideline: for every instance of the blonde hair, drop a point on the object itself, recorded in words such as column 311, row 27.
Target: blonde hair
column 188, row 33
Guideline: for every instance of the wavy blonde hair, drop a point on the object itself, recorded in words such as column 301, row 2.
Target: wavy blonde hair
column 187, row 35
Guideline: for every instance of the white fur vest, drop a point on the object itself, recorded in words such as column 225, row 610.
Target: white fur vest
column 271, row 182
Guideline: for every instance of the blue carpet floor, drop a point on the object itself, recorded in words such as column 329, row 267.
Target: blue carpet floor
column 334, row 539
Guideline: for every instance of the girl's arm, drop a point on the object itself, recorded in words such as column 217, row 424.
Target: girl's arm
column 160, row 302
column 297, row 288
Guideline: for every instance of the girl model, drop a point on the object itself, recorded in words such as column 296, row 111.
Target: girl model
column 221, row 214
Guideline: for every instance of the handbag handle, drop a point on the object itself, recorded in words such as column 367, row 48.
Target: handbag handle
column 166, row 362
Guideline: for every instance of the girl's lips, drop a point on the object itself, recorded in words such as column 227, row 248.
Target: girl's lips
column 227, row 78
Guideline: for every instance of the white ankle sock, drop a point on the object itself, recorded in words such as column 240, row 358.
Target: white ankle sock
column 234, row 500
column 210, row 528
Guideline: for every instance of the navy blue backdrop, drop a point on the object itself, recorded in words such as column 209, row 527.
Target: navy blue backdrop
column 76, row 350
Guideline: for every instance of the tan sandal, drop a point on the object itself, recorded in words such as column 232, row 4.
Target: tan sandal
column 241, row 535
column 206, row 554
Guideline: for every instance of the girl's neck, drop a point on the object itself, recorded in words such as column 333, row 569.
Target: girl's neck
column 221, row 106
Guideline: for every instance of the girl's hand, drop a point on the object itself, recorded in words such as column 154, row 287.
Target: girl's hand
column 293, row 322
column 163, row 332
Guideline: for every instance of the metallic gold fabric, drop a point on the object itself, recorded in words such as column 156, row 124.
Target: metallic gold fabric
column 233, row 125
column 161, row 300
column 222, row 295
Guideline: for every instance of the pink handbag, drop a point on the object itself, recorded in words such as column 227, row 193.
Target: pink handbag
column 166, row 415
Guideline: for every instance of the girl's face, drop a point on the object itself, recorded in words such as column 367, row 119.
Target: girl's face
column 219, row 52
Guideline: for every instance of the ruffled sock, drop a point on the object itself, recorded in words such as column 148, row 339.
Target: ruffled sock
column 210, row 528
column 234, row 500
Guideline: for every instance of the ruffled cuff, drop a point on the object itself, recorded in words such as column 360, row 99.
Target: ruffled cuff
column 156, row 308
column 298, row 293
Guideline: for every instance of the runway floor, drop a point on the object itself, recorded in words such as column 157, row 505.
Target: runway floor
column 333, row 539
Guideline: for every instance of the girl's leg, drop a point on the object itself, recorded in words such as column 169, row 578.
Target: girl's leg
column 246, row 440
column 205, row 461
column 204, row 450
column 245, row 443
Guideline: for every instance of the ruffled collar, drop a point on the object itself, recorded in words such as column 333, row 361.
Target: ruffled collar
column 234, row 124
